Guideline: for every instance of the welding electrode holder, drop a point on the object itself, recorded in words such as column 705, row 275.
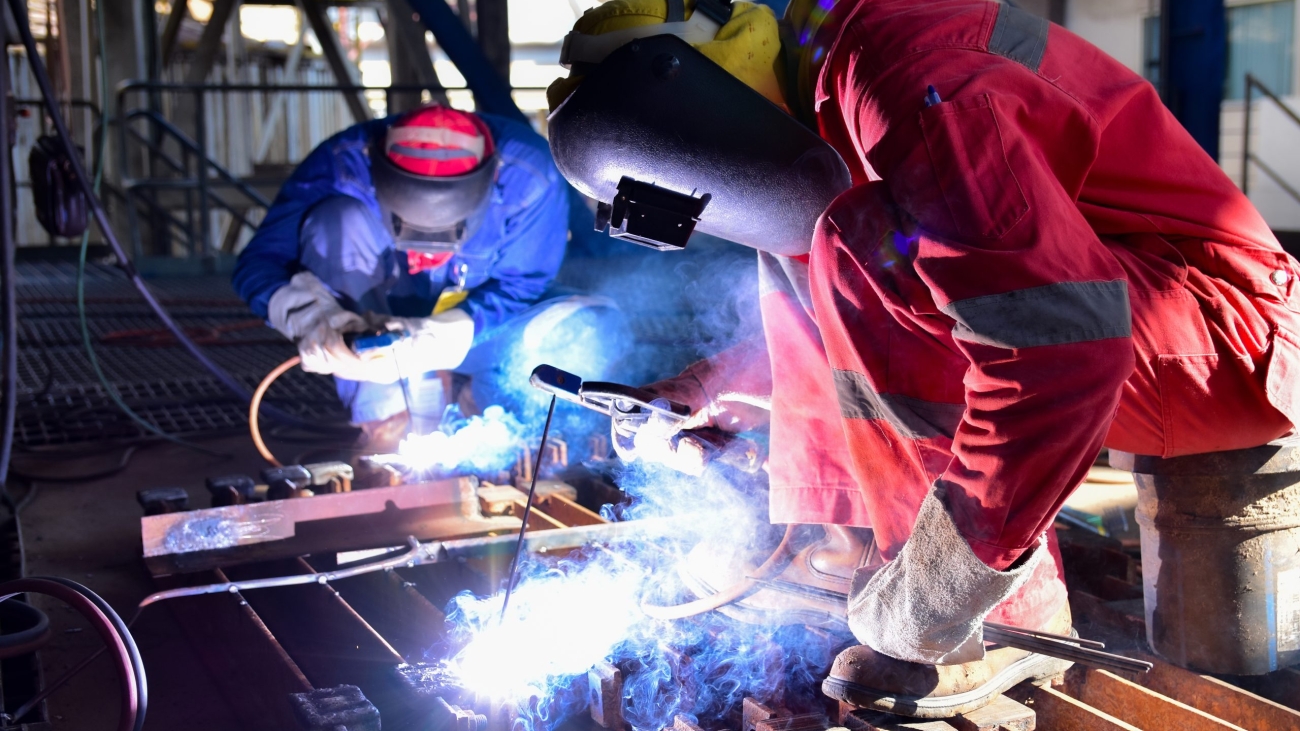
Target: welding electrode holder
column 618, row 401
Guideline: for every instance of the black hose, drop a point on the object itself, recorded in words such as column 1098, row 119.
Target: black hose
column 10, row 288
column 137, row 662
column 28, row 639
column 19, row 9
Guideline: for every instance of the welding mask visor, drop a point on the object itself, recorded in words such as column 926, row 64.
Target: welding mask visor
column 427, row 214
column 665, row 139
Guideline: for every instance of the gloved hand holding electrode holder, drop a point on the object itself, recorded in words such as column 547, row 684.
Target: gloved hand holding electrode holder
column 635, row 411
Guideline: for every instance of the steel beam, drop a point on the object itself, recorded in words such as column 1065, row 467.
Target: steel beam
column 494, row 34
column 491, row 89
column 167, row 46
column 333, row 50
column 210, row 42
column 411, row 62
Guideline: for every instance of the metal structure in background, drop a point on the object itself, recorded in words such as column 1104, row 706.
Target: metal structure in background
column 1193, row 65
column 168, row 174
column 62, row 402
column 1248, row 157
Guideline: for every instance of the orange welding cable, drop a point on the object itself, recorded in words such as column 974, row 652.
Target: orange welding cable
column 255, row 405
column 775, row 563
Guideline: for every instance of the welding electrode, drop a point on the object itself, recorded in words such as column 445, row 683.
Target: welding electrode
column 528, row 509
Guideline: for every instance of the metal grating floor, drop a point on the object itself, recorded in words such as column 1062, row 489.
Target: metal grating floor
column 61, row 400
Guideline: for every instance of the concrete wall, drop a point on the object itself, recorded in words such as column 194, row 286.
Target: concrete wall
column 1114, row 26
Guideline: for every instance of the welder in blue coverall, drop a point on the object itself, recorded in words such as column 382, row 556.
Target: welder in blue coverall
column 440, row 225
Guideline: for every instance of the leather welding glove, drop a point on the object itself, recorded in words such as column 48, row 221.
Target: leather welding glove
column 928, row 605
column 306, row 312
column 658, row 438
column 436, row 343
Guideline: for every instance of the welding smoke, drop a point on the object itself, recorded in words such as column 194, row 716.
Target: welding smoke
column 568, row 614
column 474, row 445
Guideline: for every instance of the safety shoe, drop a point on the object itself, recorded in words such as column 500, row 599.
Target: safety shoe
column 811, row 590
column 864, row 678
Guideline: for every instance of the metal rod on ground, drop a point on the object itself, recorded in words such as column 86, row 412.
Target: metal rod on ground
column 528, row 509
column 1044, row 643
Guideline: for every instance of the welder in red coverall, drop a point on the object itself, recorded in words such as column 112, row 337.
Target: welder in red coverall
column 1034, row 260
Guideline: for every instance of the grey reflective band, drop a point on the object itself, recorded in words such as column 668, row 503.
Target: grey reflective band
column 912, row 418
column 1055, row 314
column 423, row 153
column 779, row 274
column 1019, row 36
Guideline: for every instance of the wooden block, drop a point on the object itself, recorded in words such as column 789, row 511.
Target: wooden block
column 862, row 720
column 805, row 722
column 1282, row 686
column 1059, row 712
column 1137, row 705
column 1003, row 714
column 682, row 723
column 567, row 511
column 1217, row 698
column 752, row 712
column 605, row 696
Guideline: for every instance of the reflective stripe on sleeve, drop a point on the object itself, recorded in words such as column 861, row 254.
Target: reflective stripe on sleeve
column 1055, row 314
column 912, row 418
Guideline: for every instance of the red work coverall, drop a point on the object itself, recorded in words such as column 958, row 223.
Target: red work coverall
column 1039, row 264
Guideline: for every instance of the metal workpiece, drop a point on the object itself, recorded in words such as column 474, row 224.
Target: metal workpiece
column 1221, row 556
column 159, row 500
column 347, row 521
column 343, row 708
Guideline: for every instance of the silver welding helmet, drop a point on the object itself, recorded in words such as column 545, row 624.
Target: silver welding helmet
column 666, row 140
column 431, row 214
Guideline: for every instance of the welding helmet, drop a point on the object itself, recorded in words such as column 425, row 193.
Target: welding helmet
column 433, row 178
column 667, row 140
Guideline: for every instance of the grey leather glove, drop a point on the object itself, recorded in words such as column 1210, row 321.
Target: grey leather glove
column 928, row 605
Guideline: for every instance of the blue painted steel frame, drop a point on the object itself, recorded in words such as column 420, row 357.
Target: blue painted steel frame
column 491, row 92
column 1194, row 57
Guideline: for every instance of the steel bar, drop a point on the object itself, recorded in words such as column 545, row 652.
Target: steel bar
column 1043, row 643
column 1045, row 635
column 528, row 509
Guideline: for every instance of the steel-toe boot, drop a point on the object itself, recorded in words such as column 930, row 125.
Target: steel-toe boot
column 865, row 678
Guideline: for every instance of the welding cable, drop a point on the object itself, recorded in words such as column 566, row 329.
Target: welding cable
column 122, row 464
column 255, row 406
column 130, row 717
column 37, row 67
column 34, row 637
column 10, row 292
column 137, row 662
column 774, row 564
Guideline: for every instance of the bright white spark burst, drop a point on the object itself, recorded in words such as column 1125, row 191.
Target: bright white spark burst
column 479, row 444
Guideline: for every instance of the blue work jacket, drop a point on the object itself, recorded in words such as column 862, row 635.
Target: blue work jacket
column 511, row 259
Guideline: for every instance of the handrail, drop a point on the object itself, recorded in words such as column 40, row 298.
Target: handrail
column 194, row 147
column 1247, row 156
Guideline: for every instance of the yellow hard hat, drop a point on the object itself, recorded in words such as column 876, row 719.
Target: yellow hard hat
column 747, row 43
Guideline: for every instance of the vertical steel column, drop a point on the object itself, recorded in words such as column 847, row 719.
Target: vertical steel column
column 201, row 168
column 494, row 35
column 1194, row 63
column 491, row 90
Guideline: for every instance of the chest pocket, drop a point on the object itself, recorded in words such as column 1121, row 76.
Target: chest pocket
column 969, row 161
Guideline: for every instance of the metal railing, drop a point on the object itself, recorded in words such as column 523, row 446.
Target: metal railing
column 158, row 158
column 1248, row 157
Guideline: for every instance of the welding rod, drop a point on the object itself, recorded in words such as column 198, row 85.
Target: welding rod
column 528, row 509
column 1074, row 649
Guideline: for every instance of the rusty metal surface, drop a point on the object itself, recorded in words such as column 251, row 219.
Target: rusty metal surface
column 213, row 537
